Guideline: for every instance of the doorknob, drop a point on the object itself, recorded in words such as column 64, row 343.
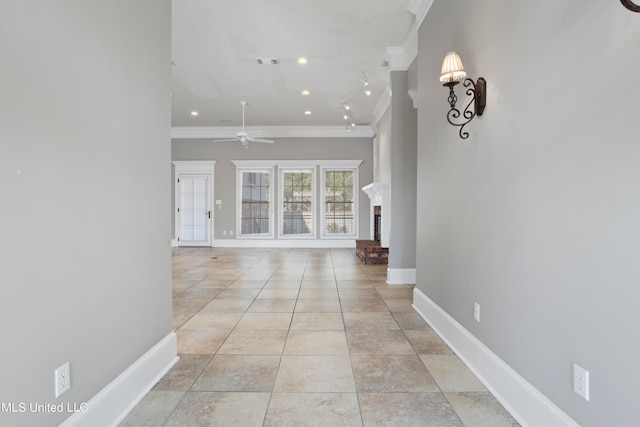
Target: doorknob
column 209, row 213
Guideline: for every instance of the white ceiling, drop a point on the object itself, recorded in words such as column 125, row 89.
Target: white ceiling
column 215, row 45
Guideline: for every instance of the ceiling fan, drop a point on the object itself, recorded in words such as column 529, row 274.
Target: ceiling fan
column 243, row 136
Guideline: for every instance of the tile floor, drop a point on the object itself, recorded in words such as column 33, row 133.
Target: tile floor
column 305, row 337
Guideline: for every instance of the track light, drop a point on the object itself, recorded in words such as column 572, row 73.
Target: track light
column 365, row 83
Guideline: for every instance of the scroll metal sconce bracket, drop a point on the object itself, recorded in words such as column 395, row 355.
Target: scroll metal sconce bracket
column 451, row 74
column 630, row 5
column 478, row 93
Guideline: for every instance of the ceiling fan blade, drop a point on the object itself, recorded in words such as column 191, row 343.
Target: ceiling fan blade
column 266, row 141
column 225, row 140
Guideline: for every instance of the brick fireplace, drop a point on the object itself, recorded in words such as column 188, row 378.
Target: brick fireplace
column 371, row 252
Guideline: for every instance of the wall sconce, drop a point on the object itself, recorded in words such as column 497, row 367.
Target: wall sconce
column 452, row 72
column 630, row 5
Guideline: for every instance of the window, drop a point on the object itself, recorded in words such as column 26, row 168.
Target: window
column 315, row 199
column 297, row 203
column 339, row 210
column 255, row 196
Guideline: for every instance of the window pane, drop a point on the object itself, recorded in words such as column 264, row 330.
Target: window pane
column 339, row 191
column 297, row 215
column 255, row 203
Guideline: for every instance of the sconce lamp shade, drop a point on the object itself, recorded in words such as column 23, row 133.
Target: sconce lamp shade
column 452, row 68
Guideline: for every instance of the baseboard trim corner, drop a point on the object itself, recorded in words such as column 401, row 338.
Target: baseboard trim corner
column 401, row 276
column 523, row 401
column 111, row 405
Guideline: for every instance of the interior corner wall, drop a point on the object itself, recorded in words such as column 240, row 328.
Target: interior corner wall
column 383, row 141
column 283, row 149
column 85, row 177
column 536, row 215
column 402, row 157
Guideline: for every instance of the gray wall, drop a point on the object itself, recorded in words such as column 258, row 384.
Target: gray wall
column 537, row 215
column 84, row 157
column 282, row 149
column 402, row 235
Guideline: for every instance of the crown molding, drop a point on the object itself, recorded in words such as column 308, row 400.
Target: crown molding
column 223, row 132
column 383, row 104
column 401, row 57
column 419, row 8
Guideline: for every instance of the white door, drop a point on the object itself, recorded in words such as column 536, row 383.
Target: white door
column 194, row 210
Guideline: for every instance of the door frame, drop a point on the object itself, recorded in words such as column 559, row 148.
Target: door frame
column 195, row 168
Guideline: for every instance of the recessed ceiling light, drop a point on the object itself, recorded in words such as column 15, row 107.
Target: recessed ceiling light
column 305, row 92
column 194, row 113
column 307, row 112
column 303, row 61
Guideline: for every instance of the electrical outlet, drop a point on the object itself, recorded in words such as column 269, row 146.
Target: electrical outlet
column 476, row 312
column 230, row 232
column 581, row 381
column 62, row 379
column 224, row 232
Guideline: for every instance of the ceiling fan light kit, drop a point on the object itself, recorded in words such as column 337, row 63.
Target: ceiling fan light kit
column 244, row 136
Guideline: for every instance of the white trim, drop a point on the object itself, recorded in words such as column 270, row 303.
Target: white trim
column 286, row 243
column 174, row 243
column 413, row 94
column 419, row 8
column 195, row 166
column 382, row 106
column 523, row 401
column 401, row 57
column 202, row 132
column 401, row 276
column 113, row 403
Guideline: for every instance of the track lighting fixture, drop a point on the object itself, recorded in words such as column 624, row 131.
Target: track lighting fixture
column 365, row 83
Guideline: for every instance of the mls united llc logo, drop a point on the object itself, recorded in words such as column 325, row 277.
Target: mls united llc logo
column 35, row 407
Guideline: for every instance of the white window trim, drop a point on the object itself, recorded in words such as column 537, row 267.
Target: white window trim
column 253, row 166
column 311, row 167
column 341, row 165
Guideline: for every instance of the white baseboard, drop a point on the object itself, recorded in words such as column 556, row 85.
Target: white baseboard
column 523, row 401
column 401, row 276
column 174, row 243
column 113, row 403
column 283, row 243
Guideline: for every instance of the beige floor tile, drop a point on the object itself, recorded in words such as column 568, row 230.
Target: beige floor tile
column 247, row 284
column 378, row 342
column 316, row 342
column 242, row 293
column 451, row 374
column 203, row 293
column 427, row 342
column 318, row 306
column 480, row 409
column 264, row 322
column 282, row 293
column 154, row 409
column 227, row 372
column 355, row 305
column 315, row 374
column 199, row 341
column 211, row 320
column 184, row 373
column 355, row 284
column 407, row 410
column 189, row 305
column 318, row 293
column 228, row 305
column 359, row 293
column 317, row 322
column 313, row 410
column 400, row 305
column 254, row 342
column 218, row 409
column 410, row 321
column 391, row 293
column 282, row 284
column 391, row 374
column 318, row 284
column 370, row 321
column 272, row 306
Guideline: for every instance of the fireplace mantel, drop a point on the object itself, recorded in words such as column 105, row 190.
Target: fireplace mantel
column 374, row 191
